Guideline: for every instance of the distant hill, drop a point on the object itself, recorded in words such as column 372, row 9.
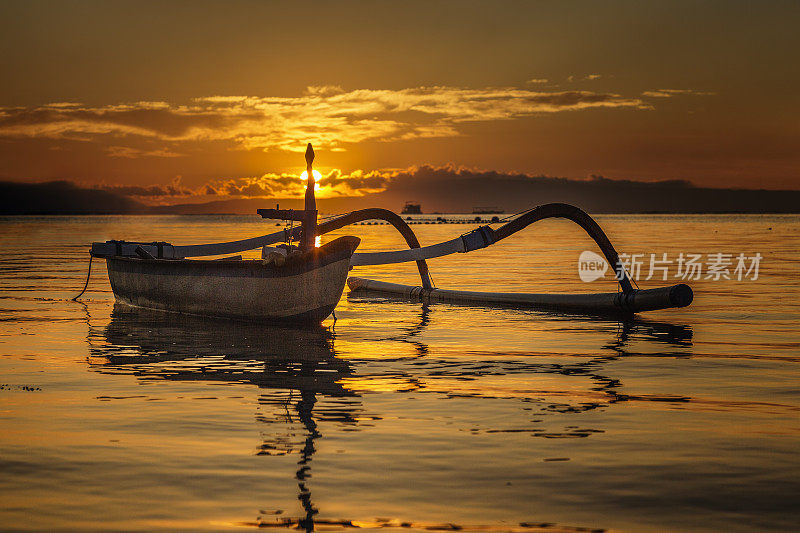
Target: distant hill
column 438, row 191
column 62, row 198
column 446, row 190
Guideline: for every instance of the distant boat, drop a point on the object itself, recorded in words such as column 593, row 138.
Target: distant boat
column 491, row 210
column 412, row 208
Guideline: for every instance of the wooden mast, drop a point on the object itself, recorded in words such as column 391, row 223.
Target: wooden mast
column 307, row 216
column 310, row 208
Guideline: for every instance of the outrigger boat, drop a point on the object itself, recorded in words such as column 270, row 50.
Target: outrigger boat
column 304, row 283
column 289, row 284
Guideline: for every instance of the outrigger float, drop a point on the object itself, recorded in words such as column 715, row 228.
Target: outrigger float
column 303, row 283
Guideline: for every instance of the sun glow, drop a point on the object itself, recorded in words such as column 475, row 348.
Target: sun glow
column 317, row 176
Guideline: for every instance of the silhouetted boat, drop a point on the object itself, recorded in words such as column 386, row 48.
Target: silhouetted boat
column 305, row 288
column 304, row 284
column 289, row 284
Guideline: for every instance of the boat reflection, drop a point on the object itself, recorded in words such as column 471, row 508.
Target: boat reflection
column 296, row 368
column 293, row 365
column 152, row 344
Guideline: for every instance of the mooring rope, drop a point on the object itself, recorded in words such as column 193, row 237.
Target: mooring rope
column 88, row 275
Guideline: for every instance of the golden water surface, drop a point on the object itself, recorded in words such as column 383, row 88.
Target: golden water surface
column 403, row 415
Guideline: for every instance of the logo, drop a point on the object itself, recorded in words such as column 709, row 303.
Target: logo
column 718, row 266
column 591, row 266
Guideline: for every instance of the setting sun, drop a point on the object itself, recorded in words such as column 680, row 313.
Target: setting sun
column 317, row 177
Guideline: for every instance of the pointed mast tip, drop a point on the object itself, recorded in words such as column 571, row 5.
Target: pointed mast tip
column 309, row 155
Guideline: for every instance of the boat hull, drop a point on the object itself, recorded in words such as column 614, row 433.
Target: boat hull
column 305, row 289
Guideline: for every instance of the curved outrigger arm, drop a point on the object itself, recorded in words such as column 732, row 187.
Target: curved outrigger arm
column 392, row 218
column 580, row 217
column 486, row 236
column 630, row 300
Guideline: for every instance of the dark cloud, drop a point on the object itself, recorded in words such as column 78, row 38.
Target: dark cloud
column 142, row 119
column 149, row 191
column 356, row 181
column 268, row 185
column 249, row 189
column 669, row 93
column 573, row 98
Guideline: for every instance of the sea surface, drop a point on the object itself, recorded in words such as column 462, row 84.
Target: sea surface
column 401, row 415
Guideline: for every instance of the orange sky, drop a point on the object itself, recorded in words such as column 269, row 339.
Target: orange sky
column 205, row 99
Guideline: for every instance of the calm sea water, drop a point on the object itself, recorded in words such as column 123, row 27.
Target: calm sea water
column 404, row 416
